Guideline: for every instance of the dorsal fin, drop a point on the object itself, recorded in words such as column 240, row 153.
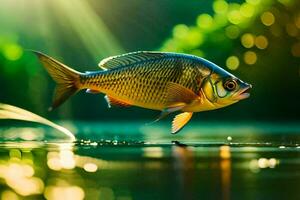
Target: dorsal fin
column 129, row 58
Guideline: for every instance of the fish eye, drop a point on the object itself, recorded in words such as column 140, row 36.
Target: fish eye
column 230, row 85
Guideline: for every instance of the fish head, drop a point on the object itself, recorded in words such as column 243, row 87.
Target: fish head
column 222, row 88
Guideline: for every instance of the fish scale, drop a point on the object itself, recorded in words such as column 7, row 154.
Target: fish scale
column 146, row 83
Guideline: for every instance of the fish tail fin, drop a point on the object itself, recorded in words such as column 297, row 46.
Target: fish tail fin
column 67, row 79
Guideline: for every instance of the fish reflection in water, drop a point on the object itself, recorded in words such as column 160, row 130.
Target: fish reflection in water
column 185, row 170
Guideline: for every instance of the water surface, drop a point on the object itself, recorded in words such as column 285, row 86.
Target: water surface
column 130, row 161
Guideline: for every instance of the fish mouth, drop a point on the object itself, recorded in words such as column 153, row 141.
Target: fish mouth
column 243, row 94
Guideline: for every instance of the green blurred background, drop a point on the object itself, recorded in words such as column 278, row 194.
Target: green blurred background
column 257, row 40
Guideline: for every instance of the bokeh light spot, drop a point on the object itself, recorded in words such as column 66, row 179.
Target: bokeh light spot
column 204, row 21
column 234, row 17
column 12, row 52
column 220, row 21
column 232, row 62
column 247, row 9
column 247, row 40
column 272, row 162
column 297, row 21
column 90, row 167
column 291, row 29
column 67, row 159
column 180, row 31
column 229, row 138
column 153, row 152
column 64, row 192
column 9, row 195
column 19, row 177
column 232, row 31
column 262, row 163
column 30, row 186
column 256, row 164
column 63, row 159
column 267, row 18
column 250, row 57
column 194, row 38
column 261, row 42
column 220, row 6
column 296, row 49
column 54, row 164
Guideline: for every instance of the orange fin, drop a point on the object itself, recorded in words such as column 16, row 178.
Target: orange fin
column 112, row 101
column 177, row 93
column 180, row 120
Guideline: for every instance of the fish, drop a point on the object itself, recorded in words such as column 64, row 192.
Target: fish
column 164, row 81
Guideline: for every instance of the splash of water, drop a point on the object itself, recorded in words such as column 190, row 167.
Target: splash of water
column 13, row 112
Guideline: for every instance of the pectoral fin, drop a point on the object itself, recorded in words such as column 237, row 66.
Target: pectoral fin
column 112, row 101
column 180, row 120
column 177, row 93
column 169, row 110
column 177, row 97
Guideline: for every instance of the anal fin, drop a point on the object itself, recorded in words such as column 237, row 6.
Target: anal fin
column 180, row 121
column 115, row 102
